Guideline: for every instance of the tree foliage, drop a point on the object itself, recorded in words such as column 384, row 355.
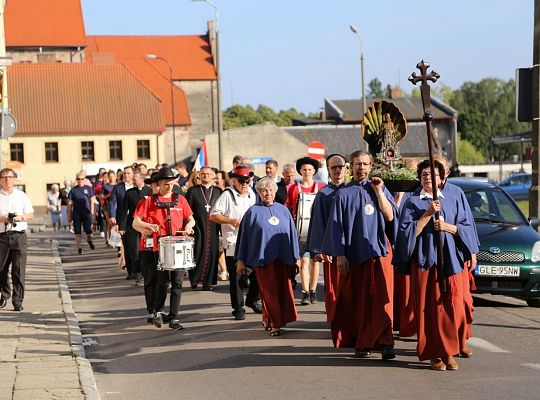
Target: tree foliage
column 487, row 109
column 375, row 89
column 467, row 153
column 238, row 116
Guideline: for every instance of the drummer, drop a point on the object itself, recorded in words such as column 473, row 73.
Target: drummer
column 165, row 214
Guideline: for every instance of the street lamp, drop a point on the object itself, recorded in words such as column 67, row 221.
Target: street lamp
column 355, row 31
column 156, row 57
column 218, row 78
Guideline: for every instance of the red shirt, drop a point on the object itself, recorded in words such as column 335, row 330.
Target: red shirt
column 148, row 211
column 292, row 195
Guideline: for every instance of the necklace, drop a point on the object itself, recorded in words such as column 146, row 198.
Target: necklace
column 207, row 200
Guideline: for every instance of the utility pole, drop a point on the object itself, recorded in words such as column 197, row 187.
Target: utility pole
column 3, row 75
column 534, row 203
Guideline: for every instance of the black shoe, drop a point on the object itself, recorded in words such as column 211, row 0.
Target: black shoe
column 208, row 288
column 175, row 324
column 18, row 308
column 194, row 286
column 157, row 320
column 388, row 353
column 313, row 297
column 130, row 277
column 91, row 244
column 166, row 318
column 362, row 353
column 256, row 307
column 80, row 251
column 239, row 314
column 150, row 319
column 3, row 303
column 305, row 299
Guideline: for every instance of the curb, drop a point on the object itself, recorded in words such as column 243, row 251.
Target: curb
column 86, row 375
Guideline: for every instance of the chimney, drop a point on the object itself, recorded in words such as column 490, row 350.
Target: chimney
column 394, row 92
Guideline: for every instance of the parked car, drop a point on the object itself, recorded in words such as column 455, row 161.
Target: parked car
column 517, row 186
column 509, row 256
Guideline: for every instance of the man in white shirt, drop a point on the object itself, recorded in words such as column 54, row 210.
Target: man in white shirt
column 15, row 210
column 228, row 211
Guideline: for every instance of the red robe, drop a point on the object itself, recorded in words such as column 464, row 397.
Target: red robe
column 441, row 320
column 403, row 307
column 277, row 295
column 364, row 305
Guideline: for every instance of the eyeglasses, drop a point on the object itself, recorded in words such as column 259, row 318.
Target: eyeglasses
column 7, row 177
column 334, row 167
column 427, row 174
column 243, row 181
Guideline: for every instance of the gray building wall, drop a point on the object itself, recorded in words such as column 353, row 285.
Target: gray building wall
column 202, row 102
column 47, row 55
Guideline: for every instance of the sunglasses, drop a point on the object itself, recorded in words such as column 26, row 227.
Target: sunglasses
column 244, row 180
column 79, row 179
column 334, row 167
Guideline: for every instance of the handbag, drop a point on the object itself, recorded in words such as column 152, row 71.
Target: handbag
column 115, row 240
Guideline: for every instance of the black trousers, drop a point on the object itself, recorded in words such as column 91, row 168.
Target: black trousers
column 13, row 252
column 131, row 250
column 163, row 278
column 149, row 260
column 237, row 294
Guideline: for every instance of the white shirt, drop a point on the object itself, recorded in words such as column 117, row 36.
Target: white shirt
column 226, row 206
column 18, row 203
column 426, row 195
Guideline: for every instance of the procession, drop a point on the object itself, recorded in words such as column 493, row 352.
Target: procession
column 378, row 249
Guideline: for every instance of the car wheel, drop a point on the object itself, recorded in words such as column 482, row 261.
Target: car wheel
column 533, row 302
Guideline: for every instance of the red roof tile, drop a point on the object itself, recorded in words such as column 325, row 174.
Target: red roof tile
column 190, row 55
column 161, row 86
column 81, row 99
column 44, row 23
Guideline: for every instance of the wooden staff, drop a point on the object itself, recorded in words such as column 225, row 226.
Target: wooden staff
column 424, row 77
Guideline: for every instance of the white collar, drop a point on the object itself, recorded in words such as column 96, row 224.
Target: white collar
column 426, row 195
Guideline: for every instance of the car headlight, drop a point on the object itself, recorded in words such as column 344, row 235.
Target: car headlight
column 535, row 256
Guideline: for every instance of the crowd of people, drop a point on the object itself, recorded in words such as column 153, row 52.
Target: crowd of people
column 378, row 249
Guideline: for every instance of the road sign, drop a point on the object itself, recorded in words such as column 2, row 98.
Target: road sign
column 316, row 150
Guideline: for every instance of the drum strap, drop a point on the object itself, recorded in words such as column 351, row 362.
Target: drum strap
column 167, row 206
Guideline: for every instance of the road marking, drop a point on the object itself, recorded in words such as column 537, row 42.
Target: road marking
column 485, row 345
column 533, row 366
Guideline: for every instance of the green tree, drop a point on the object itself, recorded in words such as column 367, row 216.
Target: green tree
column 238, row 116
column 375, row 89
column 487, row 109
column 442, row 92
column 467, row 153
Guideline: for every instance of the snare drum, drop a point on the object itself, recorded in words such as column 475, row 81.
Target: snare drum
column 176, row 253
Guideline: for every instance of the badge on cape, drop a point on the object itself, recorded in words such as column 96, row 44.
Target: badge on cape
column 369, row 209
column 273, row 220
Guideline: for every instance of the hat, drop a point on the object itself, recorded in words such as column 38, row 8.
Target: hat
column 241, row 171
column 164, row 174
column 307, row 160
column 150, row 180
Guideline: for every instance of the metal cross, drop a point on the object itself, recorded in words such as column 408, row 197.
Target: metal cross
column 424, row 77
column 207, row 207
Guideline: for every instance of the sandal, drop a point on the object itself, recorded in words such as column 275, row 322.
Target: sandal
column 275, row 332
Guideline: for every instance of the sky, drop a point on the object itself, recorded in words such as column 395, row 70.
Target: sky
column 295, row 53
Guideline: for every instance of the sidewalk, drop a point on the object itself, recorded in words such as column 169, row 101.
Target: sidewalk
column 41, row 351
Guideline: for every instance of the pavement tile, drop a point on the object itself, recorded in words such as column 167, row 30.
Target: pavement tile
column 48, row 381
column 8, row 371
column 47, row 394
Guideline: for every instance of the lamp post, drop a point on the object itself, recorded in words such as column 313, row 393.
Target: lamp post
column 156, row 57
column 218, row 79
column 355, row 31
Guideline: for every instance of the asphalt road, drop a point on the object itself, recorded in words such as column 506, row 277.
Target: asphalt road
column 216, row 357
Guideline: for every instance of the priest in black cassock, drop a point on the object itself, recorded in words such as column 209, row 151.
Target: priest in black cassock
column 201, row 199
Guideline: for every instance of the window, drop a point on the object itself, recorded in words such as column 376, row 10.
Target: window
column 16, row 151
column 51, row 152
column 87, row 151
column 115, row 150
column 143, row 149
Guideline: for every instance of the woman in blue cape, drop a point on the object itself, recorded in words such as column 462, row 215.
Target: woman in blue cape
column 440, row 317
column 267, row 242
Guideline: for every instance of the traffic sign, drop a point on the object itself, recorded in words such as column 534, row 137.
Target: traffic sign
column 316, row 150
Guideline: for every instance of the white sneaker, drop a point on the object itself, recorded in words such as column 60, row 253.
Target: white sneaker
column 223, row 276
column 102, row 234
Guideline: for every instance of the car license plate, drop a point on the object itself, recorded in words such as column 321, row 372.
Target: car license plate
column 497, row 270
